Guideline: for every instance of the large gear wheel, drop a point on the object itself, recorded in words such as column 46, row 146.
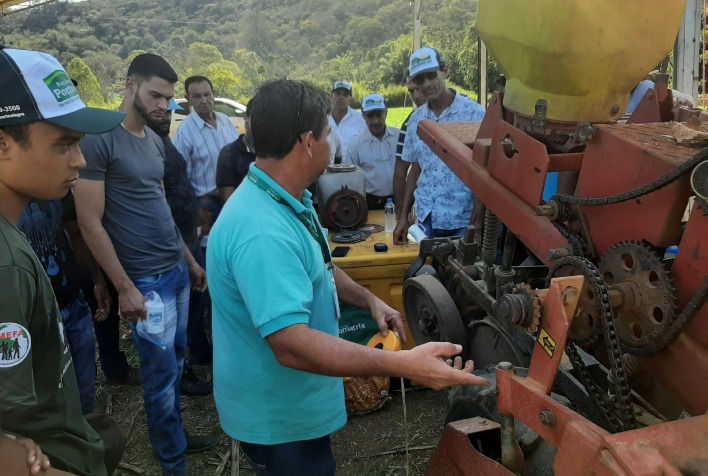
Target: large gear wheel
column 646, row 299
column 586, row 328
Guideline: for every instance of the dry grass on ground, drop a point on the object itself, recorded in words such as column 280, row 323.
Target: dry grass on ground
column 370, row 445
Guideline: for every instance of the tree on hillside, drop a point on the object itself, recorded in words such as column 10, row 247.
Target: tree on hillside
column 252, row 68
column 225, row 78
column 364, row 32
column 108, row 69
column 89, row 89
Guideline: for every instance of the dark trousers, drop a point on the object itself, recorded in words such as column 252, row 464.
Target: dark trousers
column 375, row 202
column 114, row 364
column 298, row 458
column 200, row 349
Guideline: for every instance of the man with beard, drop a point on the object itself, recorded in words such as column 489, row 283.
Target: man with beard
column 126, row 222
column 443, row 203
column 183, row 205
column 234, row 160
column 199, row 139
column 374, row 150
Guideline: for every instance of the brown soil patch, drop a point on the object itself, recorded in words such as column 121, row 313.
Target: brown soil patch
column 369, row 445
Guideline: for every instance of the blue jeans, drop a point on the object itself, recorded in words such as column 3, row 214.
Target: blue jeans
column 431, row 232
column 161, row 369
column 77, row 320
column 297, row 458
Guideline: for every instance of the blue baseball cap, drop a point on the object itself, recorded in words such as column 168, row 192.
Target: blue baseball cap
column 373, row 102
column 173, row 106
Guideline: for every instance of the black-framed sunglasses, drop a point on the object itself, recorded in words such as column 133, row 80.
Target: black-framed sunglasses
column 298, row 134
column 420, row 79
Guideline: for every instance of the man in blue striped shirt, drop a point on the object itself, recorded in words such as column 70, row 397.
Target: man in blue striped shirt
column 199, row 139
column 374, row 151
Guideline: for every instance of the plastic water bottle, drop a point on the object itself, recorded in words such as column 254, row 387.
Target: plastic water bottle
column 389, row 216
column 153, row 327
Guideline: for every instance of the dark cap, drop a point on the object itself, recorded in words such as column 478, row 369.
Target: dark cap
column 35, row 87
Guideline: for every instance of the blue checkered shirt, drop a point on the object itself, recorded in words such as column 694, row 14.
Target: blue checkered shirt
column 439, row 190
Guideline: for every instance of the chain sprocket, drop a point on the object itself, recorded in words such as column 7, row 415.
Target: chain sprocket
column 648, row 306
column 616, row 404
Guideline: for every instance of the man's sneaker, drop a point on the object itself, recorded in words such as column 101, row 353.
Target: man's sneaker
column 199, row 443
column 131, row 378
column 192, row 385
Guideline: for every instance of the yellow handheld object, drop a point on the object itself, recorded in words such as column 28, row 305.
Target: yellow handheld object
column 391, row 342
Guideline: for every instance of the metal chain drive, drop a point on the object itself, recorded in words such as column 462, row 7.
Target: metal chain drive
column 580, row 248
column 657, row 184
column 617, row 406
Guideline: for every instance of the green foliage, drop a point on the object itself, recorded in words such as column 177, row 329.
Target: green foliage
column 246, row 42
column 397, row 115
column 88, row 87
column 396, row 96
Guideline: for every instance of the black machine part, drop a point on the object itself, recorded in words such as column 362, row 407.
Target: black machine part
column 431, row 312
column 344, row 210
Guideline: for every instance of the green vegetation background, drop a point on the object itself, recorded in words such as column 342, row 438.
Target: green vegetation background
column 241, row 43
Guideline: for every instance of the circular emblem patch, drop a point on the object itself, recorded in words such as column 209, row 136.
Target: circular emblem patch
column 15, row 344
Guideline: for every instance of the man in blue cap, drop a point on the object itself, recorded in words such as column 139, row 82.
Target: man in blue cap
column 349, row 123
column 374, row 150
column 444, row 204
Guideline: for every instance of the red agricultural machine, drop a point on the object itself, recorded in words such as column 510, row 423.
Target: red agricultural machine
column 588, row 309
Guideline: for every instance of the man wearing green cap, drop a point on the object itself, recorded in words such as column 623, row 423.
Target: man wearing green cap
column 42, row 119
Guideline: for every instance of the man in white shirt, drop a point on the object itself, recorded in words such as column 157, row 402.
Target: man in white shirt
column 374, row 150
column 200, row 139
column 349, row 122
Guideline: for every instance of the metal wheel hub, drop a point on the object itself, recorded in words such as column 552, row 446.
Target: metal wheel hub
column 431, row 311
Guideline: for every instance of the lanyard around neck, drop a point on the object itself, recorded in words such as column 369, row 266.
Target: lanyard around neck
column 310, row 224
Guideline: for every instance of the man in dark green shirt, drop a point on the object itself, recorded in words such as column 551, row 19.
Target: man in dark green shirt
column 42, row 120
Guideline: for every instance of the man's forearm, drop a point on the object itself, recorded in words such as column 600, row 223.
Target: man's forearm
column 100, row 245
column 411, row 185
column 399, row 186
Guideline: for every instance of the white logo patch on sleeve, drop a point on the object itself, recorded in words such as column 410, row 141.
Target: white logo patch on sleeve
column 15, row 344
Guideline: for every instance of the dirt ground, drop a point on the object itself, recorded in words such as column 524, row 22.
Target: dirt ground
column 369, row 445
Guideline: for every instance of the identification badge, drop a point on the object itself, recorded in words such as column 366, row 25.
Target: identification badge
column 330, row 267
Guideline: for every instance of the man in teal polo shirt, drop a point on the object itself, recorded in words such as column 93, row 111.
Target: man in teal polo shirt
column 275, row 299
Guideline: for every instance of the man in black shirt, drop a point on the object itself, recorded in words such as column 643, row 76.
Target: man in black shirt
column 234, row 160
column 184, row 206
